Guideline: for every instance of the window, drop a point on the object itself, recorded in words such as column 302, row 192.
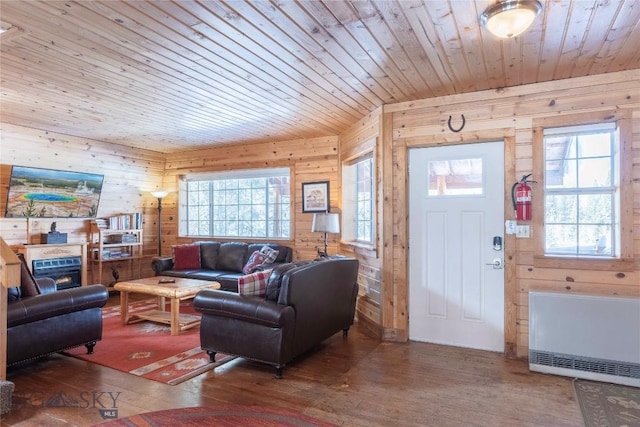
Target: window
column 249, row 204
column 460, row 177
column 581, row 191
column 358, row 201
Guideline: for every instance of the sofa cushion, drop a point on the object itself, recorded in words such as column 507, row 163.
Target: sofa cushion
column 254, row 284
column 254, row 260
column 199, row 274
column 209, row 252
column 186, row 257
column 28, row 285
column 229, row 282
column 231, row 256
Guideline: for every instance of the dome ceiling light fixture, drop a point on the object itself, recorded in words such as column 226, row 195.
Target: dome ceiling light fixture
column 510, row 18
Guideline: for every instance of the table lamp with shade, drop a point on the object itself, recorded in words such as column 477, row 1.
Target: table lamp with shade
column 325, row 222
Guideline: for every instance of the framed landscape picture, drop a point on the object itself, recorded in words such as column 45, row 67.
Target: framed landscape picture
column 315, row 196
column 48, row 193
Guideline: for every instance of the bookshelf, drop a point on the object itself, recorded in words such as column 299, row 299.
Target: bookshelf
column 115, row 239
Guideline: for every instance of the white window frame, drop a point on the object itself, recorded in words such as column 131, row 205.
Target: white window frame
column 612, row 190
column 184, row 206
column 351, row 201
column 625, row 261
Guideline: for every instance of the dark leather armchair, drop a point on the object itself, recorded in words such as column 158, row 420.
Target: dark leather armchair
column 42, row 320
column 305, row 304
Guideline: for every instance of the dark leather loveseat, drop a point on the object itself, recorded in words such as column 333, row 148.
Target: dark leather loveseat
column 42, row 320
column 221, row 262
column 306, row 303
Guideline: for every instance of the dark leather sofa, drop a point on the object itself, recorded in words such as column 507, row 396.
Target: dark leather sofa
column 221, row 262
column 306, row 303
column 52, row 320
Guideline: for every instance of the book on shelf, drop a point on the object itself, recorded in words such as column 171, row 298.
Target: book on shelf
column 131, row 221
column 137, row 220
column 112, row 254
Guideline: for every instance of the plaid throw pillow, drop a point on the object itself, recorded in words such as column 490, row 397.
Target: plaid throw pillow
column 269, row 253
column 254, row 284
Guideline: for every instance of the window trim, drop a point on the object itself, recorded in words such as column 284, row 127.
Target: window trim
column 625, row 261
column 611, row 191
column 231, row 174
column 361, row 245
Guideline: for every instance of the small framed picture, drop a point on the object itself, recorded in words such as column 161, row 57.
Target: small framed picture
column 315, row 196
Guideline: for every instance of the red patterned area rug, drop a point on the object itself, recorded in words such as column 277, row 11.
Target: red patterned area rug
column 225, row 416
column 147, row 349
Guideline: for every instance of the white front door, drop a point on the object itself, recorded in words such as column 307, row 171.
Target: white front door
column 456, row 214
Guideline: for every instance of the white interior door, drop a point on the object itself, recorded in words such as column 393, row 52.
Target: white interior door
column 456, row 210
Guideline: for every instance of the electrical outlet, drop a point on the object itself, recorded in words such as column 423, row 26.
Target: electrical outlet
column 522, row 231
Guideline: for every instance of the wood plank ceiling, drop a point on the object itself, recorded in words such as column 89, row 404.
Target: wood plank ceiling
column 176, row 75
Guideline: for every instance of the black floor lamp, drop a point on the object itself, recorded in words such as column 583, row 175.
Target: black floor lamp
column 160, row 194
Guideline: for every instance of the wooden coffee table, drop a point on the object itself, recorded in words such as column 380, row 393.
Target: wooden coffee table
column 174, row 288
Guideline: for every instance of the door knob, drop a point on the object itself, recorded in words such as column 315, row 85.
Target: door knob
column 497, row 263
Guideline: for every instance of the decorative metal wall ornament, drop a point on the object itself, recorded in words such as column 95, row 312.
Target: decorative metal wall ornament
column 461, row 126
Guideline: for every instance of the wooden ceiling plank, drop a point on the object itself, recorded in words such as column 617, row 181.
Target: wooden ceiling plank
column 247, row 50
column 598, row 19
column 337, row 36
column 316, row 38
column 108, row 98
column 531, row 52
column 415, row 64
column 618, row 37
column 311, row 115
column 512, row 53
column 466, row 18
column 144, row 74
column 419, row 19
column 556, row 15
column 450, row 47
column 365, row 22
column 103, row 65
column 304, row 50
column 628, row 56
column 492, row 50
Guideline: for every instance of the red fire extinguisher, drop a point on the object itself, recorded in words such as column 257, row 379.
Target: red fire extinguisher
column 521, row 197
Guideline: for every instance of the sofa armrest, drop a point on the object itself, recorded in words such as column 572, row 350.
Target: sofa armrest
column 265, row 266
column 44, row 306
column 160, row 264
column 250, row 309
column 46, row 285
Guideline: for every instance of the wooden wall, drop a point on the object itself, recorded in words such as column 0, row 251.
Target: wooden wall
column 129, row 175
column 390, row 130
column 507, row 114
column 310, row 160
column 362, row 138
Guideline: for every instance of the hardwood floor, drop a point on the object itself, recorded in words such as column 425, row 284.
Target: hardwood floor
column 356, row 381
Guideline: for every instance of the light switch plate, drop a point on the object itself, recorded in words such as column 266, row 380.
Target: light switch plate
column 522, row 231
column 510, row 226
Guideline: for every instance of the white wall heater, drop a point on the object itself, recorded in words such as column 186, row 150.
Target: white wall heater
column 584, row 336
